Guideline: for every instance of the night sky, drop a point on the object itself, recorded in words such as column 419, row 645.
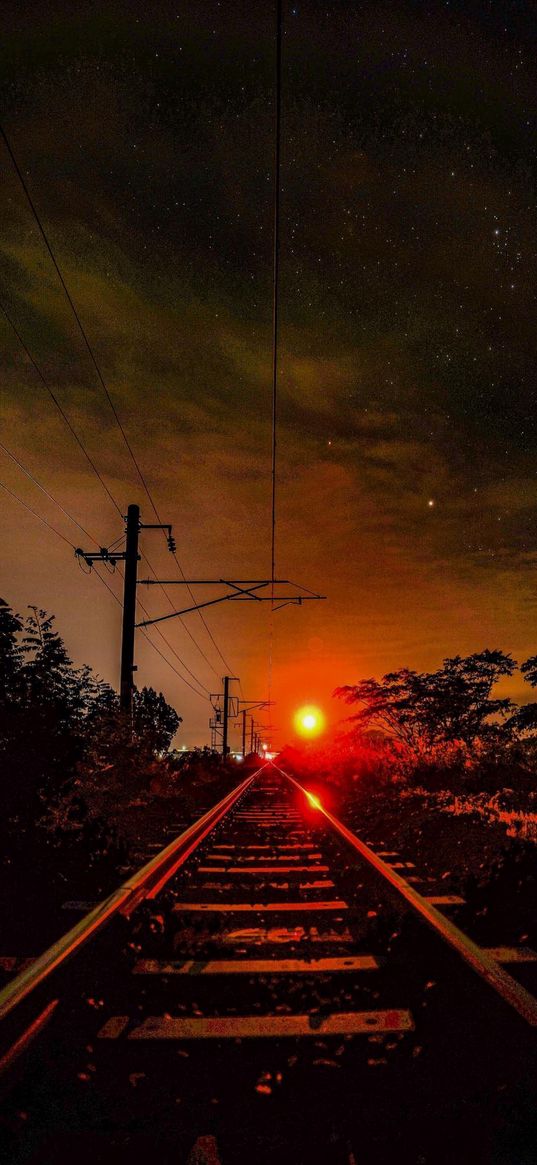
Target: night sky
column 407, row 440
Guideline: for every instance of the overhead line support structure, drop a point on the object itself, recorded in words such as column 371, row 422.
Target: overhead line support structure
column 239, row 590
column 249, row 706
column 230, row 708
column 131, row 557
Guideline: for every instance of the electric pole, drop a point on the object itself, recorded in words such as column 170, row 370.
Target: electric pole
column 226, row 716
column 244, row 732
column 131, row 558
column 129, row 611
column 230, row 709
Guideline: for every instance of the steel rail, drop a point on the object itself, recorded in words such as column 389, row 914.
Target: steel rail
column 138, row 886
column 512, row 992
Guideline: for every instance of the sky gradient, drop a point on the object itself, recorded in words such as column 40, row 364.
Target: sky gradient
column 407, row 470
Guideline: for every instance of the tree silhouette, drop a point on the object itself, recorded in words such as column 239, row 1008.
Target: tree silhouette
column 155, row 722
column 427, row 709
column 525, row 718
column 59, row 723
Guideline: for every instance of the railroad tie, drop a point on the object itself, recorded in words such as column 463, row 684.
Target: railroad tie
column 170, row 1027
column 338, row 964
column 278, row 935
column 262, row 869
column 257, row 907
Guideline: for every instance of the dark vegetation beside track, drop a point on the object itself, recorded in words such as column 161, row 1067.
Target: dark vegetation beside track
column 79, row 799
column 443, row 770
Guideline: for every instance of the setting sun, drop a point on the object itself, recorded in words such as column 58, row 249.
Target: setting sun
column 309, row 721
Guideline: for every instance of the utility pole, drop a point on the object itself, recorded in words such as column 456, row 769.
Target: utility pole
column 246, row 707
column 131, row 558
column 230, row 709
column 244, row 732
column 129, row 611
column 226, row 716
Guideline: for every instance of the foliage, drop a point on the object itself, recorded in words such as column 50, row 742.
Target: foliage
column 529, row 670
column 524, row 718
column 60, row 726
column 424, row 710
column 448, row 727
column 155, row 722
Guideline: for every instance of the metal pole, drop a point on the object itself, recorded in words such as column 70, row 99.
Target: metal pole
column 244, row 732
column 226, row 712
column 252, row 735
column 129, row 611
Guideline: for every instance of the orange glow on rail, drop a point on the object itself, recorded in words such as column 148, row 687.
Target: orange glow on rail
column 309, row 721
column 313, row 800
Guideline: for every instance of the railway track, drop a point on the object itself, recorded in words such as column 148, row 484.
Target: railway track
column 268, row 987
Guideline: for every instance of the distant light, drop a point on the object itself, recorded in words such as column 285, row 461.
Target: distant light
column 239, row 756
column 431, row 502
column 313, row 800
column 264, row 747
column 309, row 721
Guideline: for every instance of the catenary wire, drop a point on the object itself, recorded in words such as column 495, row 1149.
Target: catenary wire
column 275, row 280
column 36, row 515
column 92, row 538
column 203, row 695
column 97, row 368
column 275, row 331
column 60, row 408
column 108, row 492
column 50, row 496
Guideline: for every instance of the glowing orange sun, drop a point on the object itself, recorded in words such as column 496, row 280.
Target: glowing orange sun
column 309, row 721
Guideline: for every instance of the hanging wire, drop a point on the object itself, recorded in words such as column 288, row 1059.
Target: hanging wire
column 100, row 376
column 46, row 492
column 275, row 280
column 60, row 409
column 36, row 515
column 275, row 332
column 51, row 497
column 108, row 492
column 202, row 694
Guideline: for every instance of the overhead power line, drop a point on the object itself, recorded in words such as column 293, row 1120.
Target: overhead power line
column 202, row 695
column 73, row 307
column 94, row 360
column 275, row 324
column 59, row 408
column 276, row 272
column 36, row 515
column 47, row 493
column 92, row 538
column 100, row 478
